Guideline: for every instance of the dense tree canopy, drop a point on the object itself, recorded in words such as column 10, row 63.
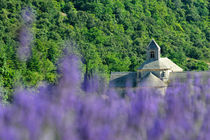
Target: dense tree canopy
column 109, row 35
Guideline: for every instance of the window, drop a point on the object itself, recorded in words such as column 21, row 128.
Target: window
column 152, row 54
column 163, row 74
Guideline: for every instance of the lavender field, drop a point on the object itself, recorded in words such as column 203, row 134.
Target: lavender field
column 67, row 112
column 48, row 94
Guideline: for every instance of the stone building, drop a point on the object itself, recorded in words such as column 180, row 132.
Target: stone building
column 155, row 72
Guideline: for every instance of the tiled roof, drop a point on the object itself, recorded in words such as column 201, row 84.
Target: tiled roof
column 171, row 64
column 162, row 63
column 122, row 79
column 202, row 76
column 157, row 64
column 152, row 81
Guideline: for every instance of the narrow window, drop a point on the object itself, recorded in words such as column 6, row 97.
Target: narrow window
column 163, row 74
column 152, row 54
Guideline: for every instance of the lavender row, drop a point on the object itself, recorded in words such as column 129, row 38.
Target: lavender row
column 67, row 112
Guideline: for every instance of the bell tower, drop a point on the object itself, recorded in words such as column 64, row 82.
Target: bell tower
column 153, row 51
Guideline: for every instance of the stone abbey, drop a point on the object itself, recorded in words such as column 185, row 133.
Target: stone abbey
column 155, row 72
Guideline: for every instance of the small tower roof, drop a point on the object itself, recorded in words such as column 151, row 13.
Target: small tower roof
column 153, row 45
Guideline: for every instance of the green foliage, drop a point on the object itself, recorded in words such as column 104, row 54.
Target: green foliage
column 117, row 64
column 196, row 65
column 109, row 35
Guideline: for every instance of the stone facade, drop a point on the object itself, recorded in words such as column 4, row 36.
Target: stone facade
column 159, row 67
column 155, row 72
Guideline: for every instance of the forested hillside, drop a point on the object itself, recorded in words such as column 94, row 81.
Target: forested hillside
column 109, row 35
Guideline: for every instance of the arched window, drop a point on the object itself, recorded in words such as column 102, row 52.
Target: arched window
column 152, row 54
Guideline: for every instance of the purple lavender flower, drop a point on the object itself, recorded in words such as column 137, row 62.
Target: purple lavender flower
column 28, row 16
column 65, row 111
column 25, row 35
column 25, row 38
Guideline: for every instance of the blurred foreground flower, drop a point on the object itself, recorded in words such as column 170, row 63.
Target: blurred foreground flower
column 25, row 35
column 66, row 112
